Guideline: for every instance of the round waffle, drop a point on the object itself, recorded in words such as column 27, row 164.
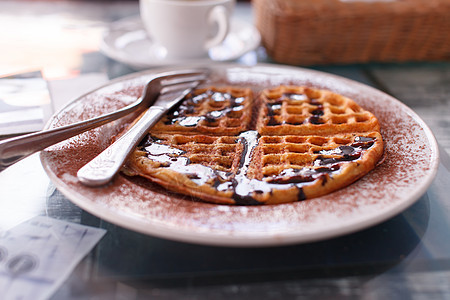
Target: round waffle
column 289, row 144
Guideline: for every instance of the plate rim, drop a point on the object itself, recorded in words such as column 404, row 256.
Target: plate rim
column 214, row 239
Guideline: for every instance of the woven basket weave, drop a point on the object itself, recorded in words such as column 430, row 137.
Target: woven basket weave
column 306, row 32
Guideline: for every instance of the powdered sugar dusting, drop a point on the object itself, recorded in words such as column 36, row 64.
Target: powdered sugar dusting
column 409, row 166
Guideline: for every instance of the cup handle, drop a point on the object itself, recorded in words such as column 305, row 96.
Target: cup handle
column 218, row 15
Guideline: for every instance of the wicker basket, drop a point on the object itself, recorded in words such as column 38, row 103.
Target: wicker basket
column 306, row 32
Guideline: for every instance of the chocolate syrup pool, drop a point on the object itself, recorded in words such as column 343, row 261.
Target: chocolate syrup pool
column 244, row 188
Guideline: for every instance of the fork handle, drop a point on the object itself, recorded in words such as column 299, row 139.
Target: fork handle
column 103, row 168
column 14, row 149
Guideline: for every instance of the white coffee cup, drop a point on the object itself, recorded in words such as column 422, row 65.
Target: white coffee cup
column 186, row 29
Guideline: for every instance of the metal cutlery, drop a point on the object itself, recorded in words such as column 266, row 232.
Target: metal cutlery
column 104, row 167
column 15, row 149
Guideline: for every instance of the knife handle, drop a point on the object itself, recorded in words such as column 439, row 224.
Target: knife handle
column 105, row 166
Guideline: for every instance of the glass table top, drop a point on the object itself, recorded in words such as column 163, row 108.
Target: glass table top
column 406, row 257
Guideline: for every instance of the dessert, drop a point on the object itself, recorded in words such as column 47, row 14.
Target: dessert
column 288, row 144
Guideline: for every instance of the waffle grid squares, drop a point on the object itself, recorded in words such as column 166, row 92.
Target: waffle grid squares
column 214, row 110
column 304, row 111
column 283, row 152
column 213, row 151
column 295, row 130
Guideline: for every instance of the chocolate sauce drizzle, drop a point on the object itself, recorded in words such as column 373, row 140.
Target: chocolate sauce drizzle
column 244, row 188
column 345, row 153
column 275, row 106
column 316, row 113
column 295, row 96
column 171, row 158
column 184, row 113
column 272, row 110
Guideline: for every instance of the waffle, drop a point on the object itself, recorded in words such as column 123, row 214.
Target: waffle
column 304, row 111
column 212, row 111
column 292, row 143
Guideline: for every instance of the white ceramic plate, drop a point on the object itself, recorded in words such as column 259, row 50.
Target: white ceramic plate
column 410, row 164
column 127, row 41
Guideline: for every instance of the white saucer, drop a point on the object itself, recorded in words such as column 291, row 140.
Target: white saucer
column 127, row 42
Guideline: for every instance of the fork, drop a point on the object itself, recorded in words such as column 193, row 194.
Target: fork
column 104, row 167
column 15, row 149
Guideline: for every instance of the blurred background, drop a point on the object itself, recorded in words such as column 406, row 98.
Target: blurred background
column 59, row 37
